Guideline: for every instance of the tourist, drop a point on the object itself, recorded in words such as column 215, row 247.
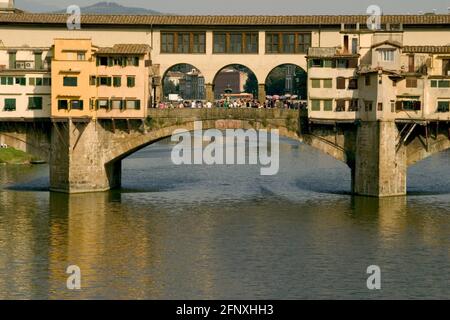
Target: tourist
column 208, row 105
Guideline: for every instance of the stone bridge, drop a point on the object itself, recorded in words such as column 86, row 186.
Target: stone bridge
column 85, row 154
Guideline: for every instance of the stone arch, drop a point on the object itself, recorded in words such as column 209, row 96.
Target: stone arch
column 251, row 77
column 287, row 128
column 416, row 152
column 299, row 80
column 196, row 90
column 30, row 137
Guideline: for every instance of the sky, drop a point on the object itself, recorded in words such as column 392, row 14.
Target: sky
column 282, row 7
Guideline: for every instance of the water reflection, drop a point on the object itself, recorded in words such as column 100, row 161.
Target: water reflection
column 220, row 233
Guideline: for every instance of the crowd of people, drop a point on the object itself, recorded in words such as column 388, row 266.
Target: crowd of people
column 268, row 104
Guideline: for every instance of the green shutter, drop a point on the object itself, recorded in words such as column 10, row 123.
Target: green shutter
column 137, row 105
column 67, row 81
column 315, row 83
column 131, row 82
column 38, row 60
column 110, row 62
column 10, row 104
column 328, row 105
column 35, row 103
column 136, row 61
column 12, row 60
column 315, row 105
column 117, row 81
column 108, row 81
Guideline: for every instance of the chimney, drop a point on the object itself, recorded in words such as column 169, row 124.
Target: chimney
column 6, row 5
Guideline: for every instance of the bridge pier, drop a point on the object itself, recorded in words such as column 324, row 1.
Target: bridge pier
column 380, row 167
column 261, row 92
column 77, row 162
column 209, row 92
column 86, row 155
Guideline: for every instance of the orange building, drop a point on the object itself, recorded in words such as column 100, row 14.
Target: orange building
column 93, row 82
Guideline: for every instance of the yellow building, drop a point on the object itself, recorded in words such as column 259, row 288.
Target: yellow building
column 93, row 82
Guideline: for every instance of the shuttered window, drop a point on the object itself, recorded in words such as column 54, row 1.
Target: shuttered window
column 340, row 83
column 10, row 105
column 35, row 103
column 69, row 81
column 131, row 82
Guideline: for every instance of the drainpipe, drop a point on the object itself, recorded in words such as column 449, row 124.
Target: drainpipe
column 320, row 28
column 152, row 93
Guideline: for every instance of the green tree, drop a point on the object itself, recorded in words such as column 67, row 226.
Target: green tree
column 251, row 85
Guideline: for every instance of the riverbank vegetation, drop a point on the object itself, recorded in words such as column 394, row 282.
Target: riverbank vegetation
column 13, row 156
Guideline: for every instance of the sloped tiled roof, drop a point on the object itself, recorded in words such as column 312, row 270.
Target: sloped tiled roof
column 426, row 49
column 125, row 48
column 387, row 42
column 148, row 20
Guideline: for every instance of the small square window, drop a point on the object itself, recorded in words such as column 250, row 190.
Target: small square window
column 63, row 105
column 67, row 81
column 328, row 105
column 315, row 105
column 327, row 83
column 131, row 81
column 317, row 63
column 411, row 83
column 10, row 104
column 35, row 103
column 443, row 106
column 76, row 104
column 353, row 84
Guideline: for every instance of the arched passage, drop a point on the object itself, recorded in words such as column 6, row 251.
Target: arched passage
column 235, row 79
column 287, row 79
column 183, row 81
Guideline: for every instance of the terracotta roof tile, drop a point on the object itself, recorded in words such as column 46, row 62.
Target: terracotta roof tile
column 426, row 49
column 147, row 20
column 125, row 48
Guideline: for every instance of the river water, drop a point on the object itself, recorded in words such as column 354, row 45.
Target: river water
column 226, row 232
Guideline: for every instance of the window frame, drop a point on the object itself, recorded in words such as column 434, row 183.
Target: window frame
column 131, row 84
column 183, row 42
column 275, row 42
column 445, row 109
column 7, row 104
column 65, row 83
column 34, row 105
column 80, row 107
column 223, row 42
column 315, row 105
